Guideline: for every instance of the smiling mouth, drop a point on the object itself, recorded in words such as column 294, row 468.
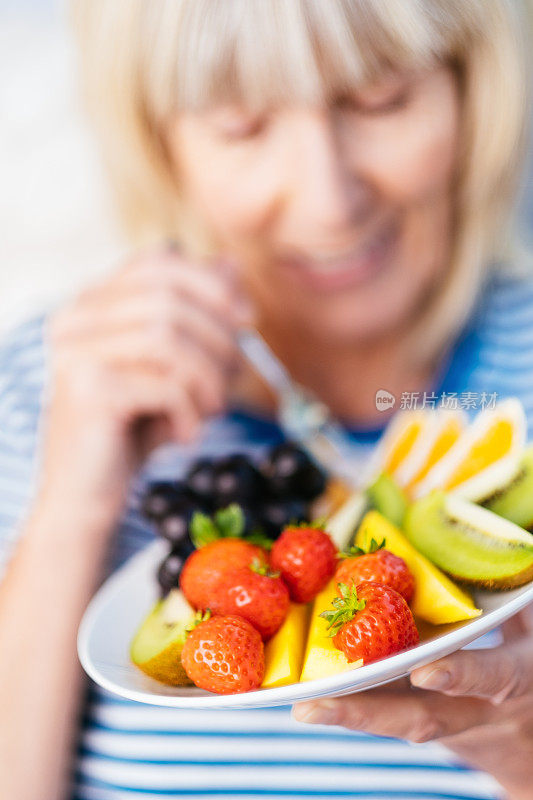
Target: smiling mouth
column 353, row 267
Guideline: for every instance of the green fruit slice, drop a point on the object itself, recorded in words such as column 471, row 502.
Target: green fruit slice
column 514, row 500
column 469, row 542
column 388, row 498
column 157, row 645
column 343, row 524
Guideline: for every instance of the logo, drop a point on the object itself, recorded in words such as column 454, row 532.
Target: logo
column 384, row 400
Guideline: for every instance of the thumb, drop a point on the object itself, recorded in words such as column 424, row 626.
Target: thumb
column 519, row 625
column 494, row 675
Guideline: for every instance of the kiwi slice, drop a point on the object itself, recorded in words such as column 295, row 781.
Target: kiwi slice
column 514, row 500
column 157, row 645
column 385, row 496
column 469, row 542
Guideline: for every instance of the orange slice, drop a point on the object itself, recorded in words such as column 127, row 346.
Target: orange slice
column 484, row 457
column 444, row 429
column 398, row 441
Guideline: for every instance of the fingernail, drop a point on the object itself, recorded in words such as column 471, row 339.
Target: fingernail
column 434, row 679
column 316, row 713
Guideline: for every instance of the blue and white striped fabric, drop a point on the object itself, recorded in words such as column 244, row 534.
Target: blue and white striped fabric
column 132, row 751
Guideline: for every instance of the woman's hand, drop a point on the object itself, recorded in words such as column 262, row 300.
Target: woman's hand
column 142, row 358
column 479, row 703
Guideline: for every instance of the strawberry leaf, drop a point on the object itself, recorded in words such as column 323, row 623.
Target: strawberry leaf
column 200, row 616
column 226, row 523
column 260, row 568
column 354, row 550
column 230, row 521
column 345, row 606
column 202, row 530
column 317, row 524
column 259, row 538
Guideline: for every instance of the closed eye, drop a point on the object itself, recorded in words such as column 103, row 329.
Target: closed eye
column 395, row 103
column 374, row 103
column 234, row 125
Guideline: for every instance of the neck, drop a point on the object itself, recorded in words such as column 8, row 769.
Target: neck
column 347, row 378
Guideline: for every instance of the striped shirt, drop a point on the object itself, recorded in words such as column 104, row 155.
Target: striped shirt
column 128, row 750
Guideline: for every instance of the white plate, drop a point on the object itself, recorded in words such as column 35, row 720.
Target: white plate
column 117, row 609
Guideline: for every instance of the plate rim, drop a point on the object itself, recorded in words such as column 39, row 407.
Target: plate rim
column 399, row 665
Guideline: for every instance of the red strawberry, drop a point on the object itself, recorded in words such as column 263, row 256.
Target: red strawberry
column 255, row 594
column 306, row 558
column 370, row 621
column 377, row 565
column 204, row 567
column 224, row 655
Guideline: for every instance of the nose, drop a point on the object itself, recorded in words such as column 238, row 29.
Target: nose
column 329, row 196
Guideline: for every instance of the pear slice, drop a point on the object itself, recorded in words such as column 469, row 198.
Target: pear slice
column 343, row 524
column 469, row 542
column 514, row 500
column 157, row 645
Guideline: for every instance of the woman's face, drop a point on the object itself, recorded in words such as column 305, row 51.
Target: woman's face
column 339, row 216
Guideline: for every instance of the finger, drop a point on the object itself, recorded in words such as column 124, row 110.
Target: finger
column 136, row 397
column 154, row 315
column 513, row 629
column 519, row 625
column 208, row 285
column 193, row 368
column 415, row 716
column 193, row 321
column 203, row 378
column 168, row 273
column 132, row 385
column 491, row 674
column 155, row 352
column 205, row 382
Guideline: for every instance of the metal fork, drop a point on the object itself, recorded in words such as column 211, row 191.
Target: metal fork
column 302, row 417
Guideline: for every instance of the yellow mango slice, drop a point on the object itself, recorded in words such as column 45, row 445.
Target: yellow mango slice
column 284, row 652
column 322, row 658
column 437, row 598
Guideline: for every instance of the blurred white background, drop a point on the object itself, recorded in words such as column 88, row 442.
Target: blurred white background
column 57, row 225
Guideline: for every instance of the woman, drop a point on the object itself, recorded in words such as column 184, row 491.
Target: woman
column 337, row 174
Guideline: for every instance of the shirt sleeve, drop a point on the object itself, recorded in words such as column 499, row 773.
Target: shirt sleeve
column 21, row 390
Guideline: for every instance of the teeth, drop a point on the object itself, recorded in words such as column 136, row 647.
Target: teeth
column 322, row 263
column 334, row 264
column 330, row 266
column 323, row 259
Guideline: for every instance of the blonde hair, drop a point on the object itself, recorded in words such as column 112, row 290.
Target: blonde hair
column 144, row 60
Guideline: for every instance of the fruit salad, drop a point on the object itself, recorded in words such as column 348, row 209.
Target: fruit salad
column 255, row 593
